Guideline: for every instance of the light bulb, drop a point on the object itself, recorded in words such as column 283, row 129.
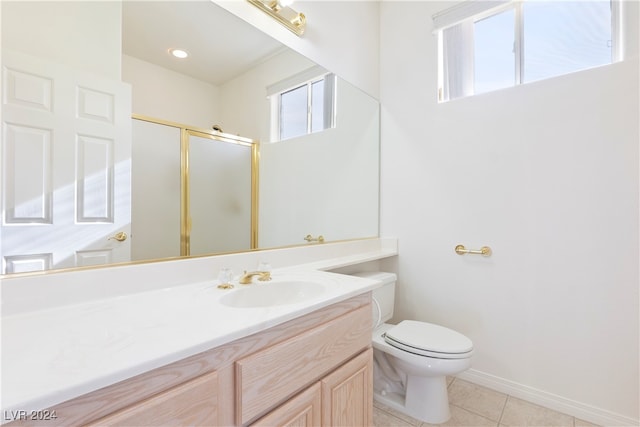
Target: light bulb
column 179, row 53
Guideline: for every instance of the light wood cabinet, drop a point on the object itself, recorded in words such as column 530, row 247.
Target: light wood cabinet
column 300, row 411
column 310, row 371
column 342, row 398
column 268, row 376
column 347, row 393
column 194, row 403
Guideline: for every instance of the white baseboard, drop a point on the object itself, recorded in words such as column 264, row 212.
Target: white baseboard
column 548, row 400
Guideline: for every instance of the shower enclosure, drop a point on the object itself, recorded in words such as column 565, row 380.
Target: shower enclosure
column 194, row 191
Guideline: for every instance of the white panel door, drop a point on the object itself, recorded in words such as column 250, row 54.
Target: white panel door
column 66, row 166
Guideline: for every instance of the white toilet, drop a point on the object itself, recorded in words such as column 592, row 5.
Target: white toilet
column 412, row 359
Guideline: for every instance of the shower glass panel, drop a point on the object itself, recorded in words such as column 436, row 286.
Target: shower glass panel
column 155, row 191
column 220, row 195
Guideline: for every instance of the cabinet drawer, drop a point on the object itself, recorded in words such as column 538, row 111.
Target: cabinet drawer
column 302, row 410
column 270, row 376
column 192, row 403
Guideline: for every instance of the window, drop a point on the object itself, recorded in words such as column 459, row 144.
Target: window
column 490, row 45
column 494, row 62
column 304, row 107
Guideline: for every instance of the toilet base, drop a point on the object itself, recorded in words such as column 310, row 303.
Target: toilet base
column 430, row 401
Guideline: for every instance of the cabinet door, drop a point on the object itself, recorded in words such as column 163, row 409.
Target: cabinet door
column 267, row 376
column 300, row 411
column 347, row 393
column 194, row 403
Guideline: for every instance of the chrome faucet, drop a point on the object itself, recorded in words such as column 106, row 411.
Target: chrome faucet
column 247, row 278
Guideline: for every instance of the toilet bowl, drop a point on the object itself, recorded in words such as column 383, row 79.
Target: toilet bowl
column 412, row 359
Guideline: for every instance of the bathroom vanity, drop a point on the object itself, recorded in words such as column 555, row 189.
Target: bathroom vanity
column 301, row 372
column 302, row 363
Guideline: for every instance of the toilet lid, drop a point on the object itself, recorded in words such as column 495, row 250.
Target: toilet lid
column 429, row 340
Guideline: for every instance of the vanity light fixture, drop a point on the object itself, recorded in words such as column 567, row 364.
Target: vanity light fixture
column 278, row 9
column 179, row 53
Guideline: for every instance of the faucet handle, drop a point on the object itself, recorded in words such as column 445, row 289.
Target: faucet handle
column 265, row 269
column 224, row 277
column 265, row 276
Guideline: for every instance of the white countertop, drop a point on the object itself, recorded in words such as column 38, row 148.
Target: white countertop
column 53, row 355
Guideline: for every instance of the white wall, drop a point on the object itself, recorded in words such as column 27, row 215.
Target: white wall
column 49, row 30
column 164, row 94
column 341, row 36
column 547, row 175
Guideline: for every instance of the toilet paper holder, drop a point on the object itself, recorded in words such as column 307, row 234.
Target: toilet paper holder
column 484, row 251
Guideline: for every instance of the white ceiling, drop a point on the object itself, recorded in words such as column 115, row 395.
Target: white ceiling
column 221, row 45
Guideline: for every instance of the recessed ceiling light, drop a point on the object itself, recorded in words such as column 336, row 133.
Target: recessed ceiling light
column 179, row 53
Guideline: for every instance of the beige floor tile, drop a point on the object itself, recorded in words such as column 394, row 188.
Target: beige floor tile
column 480, row 400
column 383, row 418
column 582, row 423
column 519, row 413
column 397, row 414
column 463, row 418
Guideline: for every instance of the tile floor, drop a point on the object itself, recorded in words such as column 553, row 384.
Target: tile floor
column 473, row 405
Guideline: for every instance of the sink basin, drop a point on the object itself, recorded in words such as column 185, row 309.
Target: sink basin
column 271, row 294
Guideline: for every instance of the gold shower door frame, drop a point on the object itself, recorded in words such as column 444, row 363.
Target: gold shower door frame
column 185, row 194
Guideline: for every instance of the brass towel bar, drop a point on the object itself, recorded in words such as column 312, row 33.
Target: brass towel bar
column 484, row 251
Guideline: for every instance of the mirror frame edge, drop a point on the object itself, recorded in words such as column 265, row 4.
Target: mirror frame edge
column 170, row 259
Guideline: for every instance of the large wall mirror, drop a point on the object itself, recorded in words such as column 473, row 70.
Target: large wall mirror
column 96, row 113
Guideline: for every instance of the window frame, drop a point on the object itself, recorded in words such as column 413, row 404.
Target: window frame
column 276, row 105
column 470, row 12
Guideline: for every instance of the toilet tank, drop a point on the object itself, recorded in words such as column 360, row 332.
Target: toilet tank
column 383, row 297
